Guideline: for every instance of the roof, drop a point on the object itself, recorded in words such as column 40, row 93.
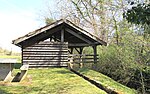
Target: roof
column 53, row 30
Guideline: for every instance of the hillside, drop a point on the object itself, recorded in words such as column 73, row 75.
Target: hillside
column 59, row 81
column 106, row 81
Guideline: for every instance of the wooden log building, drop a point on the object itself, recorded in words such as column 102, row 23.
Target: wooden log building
column 54, row 44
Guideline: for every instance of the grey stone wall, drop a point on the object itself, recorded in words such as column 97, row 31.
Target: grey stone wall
column 6, row 71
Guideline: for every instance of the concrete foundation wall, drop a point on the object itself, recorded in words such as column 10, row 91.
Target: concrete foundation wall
column 5, row 71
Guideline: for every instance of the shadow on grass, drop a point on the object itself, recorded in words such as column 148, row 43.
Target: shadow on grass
column 68, row 72
column 63, row 72
column 17, row 65
column 85, row 70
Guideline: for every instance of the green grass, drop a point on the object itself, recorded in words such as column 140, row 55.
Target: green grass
column 51, row 81
column 106, row 81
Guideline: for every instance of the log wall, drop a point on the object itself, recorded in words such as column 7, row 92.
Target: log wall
column 46, row 54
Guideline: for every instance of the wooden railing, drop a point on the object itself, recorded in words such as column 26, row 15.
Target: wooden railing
column 83, row 58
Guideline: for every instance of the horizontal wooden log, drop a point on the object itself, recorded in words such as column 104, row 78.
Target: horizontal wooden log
column 61, row 62
column 46, row 48
column 45, row 58
column 36, row 66
column 85, row 62
column 41, row 50
column 60, row 55
column 46, row 63
column 50, row 44
column 84, row 58
column 57, row 46
column 45, row 53
column 78, row 45
column 53, row 43
column 70, row 55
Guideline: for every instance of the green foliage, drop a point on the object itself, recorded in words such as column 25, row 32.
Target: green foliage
column 127, row 61
column 49, row 20
column 136, row 81
column 139, row 14
column 88, row 50
column 117, row 63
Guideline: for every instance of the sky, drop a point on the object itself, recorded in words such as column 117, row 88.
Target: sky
column 17, row 18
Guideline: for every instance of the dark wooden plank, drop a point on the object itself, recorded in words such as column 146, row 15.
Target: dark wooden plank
column 84, row 58
column 44, row 58
column 45, row 50
column 53, row 43
column 45, row 53
column 37, row 66
column 32, row 63
column 85, row 62
column 78, row 45
column 46, row 63
column 78, row 35
column 82, row 55
column 57, row 46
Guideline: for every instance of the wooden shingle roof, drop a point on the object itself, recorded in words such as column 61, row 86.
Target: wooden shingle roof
column 74, row 34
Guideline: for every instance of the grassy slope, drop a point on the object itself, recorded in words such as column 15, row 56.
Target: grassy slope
column 51, row 81
column 106, row 81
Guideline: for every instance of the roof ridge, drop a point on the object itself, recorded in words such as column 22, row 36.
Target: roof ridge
column 52, row 25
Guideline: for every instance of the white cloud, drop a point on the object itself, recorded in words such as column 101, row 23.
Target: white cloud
column 14, row 25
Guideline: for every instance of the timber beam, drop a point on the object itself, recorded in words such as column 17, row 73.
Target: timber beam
column 78, row 36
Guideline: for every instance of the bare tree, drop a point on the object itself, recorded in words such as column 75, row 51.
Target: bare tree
column 100, row 17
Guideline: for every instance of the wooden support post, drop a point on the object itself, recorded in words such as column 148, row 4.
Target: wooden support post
column 77, row 50
column 81, row 62
column 95, row 53
column 71, row 51
column 54, row 38
column 62, row 35
column 81, row 49
column 50, row 39
column 22, row 55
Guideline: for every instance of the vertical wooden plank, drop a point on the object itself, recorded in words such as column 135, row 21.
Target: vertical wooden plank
column 62, row 35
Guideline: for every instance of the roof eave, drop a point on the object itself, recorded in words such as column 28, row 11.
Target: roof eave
column 33, row 33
